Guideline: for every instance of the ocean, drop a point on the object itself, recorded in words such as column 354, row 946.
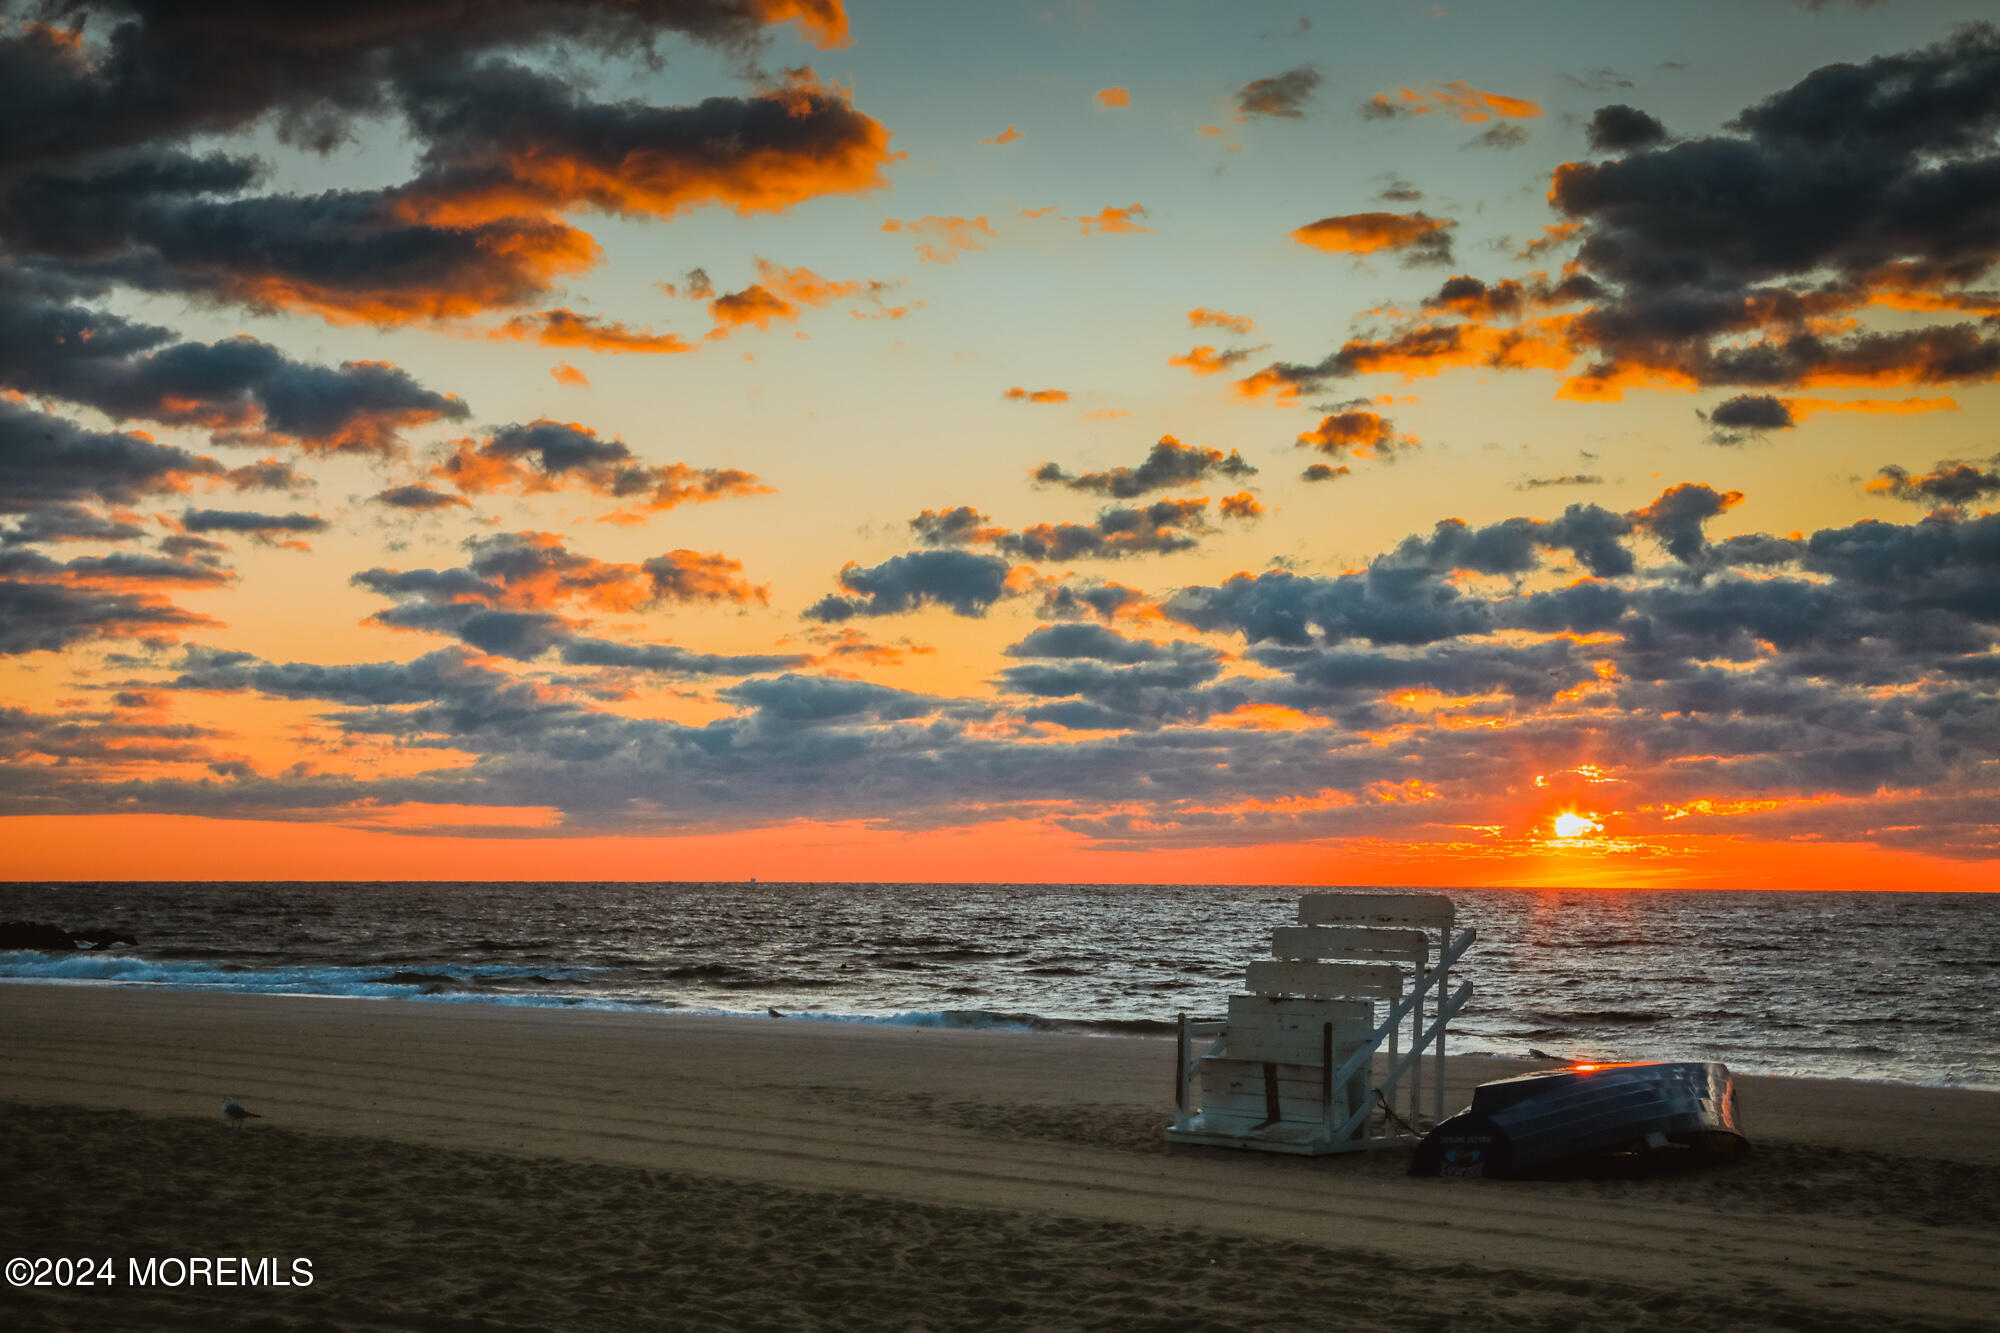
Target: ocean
column 1885, row 986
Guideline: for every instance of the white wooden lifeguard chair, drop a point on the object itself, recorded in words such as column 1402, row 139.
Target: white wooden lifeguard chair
column 1291, row 1069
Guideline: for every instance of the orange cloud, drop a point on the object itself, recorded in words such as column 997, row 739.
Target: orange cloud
column 1553, row 235
column 1459, row 97
column 564, row 373
column 511, row 259
column 1021, row 395
column 1240, row 505
column 1106, row 414
column 1112, row 220
column 954, row 235
column 1008, row 135
column 690, row 576
column 546, row 455
column 1205, row 360
column 845, row 155
column 823, row 22
column 1365, row 233
column 1801, row 408
column 1114, row 97
column 1355, row 433
column 755, row 305
column 1202, row 317
column 566, row 328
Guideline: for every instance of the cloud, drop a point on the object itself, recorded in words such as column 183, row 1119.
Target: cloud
column 1845, row 188
column 419, row 497
column 1500, row 134
column 1325, row 472
column 237, row 387
column 1423, row 239
column 1113, row 97
column 1006, row 136
column 964, row 583
column 564, row 373
column 778, row 295
column 1746, row 416
column 1021, row 395
column 1457, row 98
column 1677, row 516
column 1283, row 95
column 1074, row 599
column 50, row 461
column 503, row 149
column 954, row 235
column 1567, row 479
column 39, row 617
column 1619, row 128
column 545, row 455
column 1356, row 434
column 508, row 597
column 1205, row 360
column 1202, row 317
column 264, row 527
column 1111, row 220
column 1168, row 464
column 1162, row 527
column 566, row 328
column 1951, row 482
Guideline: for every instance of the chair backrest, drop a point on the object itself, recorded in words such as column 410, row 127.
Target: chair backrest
column 1373, row 981
column 1425, row 911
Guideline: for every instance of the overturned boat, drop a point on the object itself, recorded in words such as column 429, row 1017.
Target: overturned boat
column 1561, row 1118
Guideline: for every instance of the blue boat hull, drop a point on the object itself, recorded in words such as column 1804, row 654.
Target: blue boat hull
column 1539, row 1122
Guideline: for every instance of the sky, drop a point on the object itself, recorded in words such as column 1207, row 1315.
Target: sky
column 1428, row 444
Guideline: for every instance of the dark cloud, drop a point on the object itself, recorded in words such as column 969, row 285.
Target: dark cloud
column 1858, row 181
column 89, row 178
column 1676, row 518
column 1160, row 528
column 238, row 386
column 545, row 455
column 1325, row 472
column 213, row 65
column 1280, row 94
column 815, row 700
column 47, row 617
column 250, row 523
column 1567, row 479
column 1951, row 482
column 1747, row 416
column 1619, row 128
column 1500, row 134
column 1090, row 597
column 67, row 523
column 1168, row 464
column 670, row 660
column 47, row 460
column 965, row 583
column 419, row 497
column 1092, row 641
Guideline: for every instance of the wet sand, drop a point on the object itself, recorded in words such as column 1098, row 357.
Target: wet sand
column 480, row 1167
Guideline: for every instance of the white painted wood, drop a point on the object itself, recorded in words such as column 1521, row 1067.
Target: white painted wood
column 1423, row 910
column 1266, row 1045
column 1377, row 981
column 1350, row 942
column 1297, row 1014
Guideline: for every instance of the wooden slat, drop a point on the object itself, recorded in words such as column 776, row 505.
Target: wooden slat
column 1291, row 1110
column 1424, row 910
column 1379, row 981
column 1245, row 1077
column 1292, row 1048
column 1349, row 942
column 1295, row 1014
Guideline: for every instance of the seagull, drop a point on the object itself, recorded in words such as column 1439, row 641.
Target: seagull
column 233, row 1112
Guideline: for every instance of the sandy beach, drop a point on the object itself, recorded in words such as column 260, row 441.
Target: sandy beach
column 475, row 1167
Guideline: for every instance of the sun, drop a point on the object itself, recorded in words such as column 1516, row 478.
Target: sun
column 1569, row 824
